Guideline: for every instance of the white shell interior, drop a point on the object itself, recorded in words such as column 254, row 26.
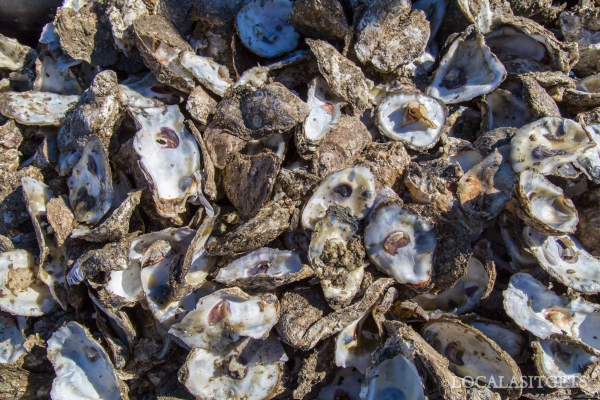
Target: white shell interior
column 417, row 133
column 353, row 188
column 83, row 369
column 169, row 154
column 11, row 338
column 207, row 375
column 37, row 108
column 325, row 110
column 508, row 340
column 547, row 202
column 394, row 378
column 566, row 260
column 53, row 268
column 22, row 293
column 356, row 343
column 147, row 92
column 409, row 258
column 223, row 317
column 345, row 385
column 456, row 80
column 264, row 28
column 469, row 352
column 463, row 296
column 563, row 361
column 546, row 144
column 263, row 261
column 212, row 75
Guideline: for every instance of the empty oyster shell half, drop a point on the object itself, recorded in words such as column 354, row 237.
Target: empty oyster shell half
column 83, row 369
column 264, row 28
column 325, row 111
column 456, row 80
column 36, row 108
column 544, row 206
column 473, row 354
column 12, row 338
column 90, row 184
column 401, row 243
column 547, row 144
column 226, row 315
column 509, row 340
column 353, row 188
column 411, row 118
column 545, row 314
column 169, row 158
column 264, row 269
column 566, row 363
column 565, row 259
column 356, row 343
column 22, row 292
column 255, row 372
column 466, row 293
column 213, row 76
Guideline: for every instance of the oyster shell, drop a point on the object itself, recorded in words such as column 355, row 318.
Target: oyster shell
column 468, row 291
column 13, row 55
column 544, row 206
column 545, row 314
column 565, row 259
column 473, row 354
column 213, row 76
column 390, row 34
column 352, row 188
column 401, row 244
column 22, row 292
column 356, row 343
column 82, row 366
column 53, row 266
column 412, row 118
column 254, row 372
column 455, row 81
column 221, row 318
column 264, row 27
column 324, row 20
column 159, row 43
column 587, row 208
column 12, row 338
column 49, row 78
column 168, row 158
column 344, row 78
column 36, row 108
column 90, row 184
column 547, row 144
column 580, row 26
column 264, row 269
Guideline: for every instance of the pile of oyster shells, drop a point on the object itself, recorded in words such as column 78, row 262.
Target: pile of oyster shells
column 309, row 199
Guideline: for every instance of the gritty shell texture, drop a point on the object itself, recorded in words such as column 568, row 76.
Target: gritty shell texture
column 300, row 199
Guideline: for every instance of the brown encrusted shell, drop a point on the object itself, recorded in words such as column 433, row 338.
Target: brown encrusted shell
column 220, row 144
column 19, row 383
column 256, row 114
column 494, row 139
column 150, row 32
column 391, row 35
column 387, row 162
column 297, row 185
column 86, row 34
column 433, row 182
column 452, row 255
column 105, row 258
column 317, row 369
column 200, row 104
column 116, row 226
column 12, row 205
column 98, row 113
column 338, row 320
column 343, row 77
column 485, row 190
column 301, row 307
column 271, row 221
column 341, row 146
column 265, row 282
column 209, row 183
column 577, row 101
column 249, row 180
column 10, row 139
column 324, row 19
column 537, row 100
column 588, row 229
column 581, row 26
column 60, row 218
column 542, row 11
